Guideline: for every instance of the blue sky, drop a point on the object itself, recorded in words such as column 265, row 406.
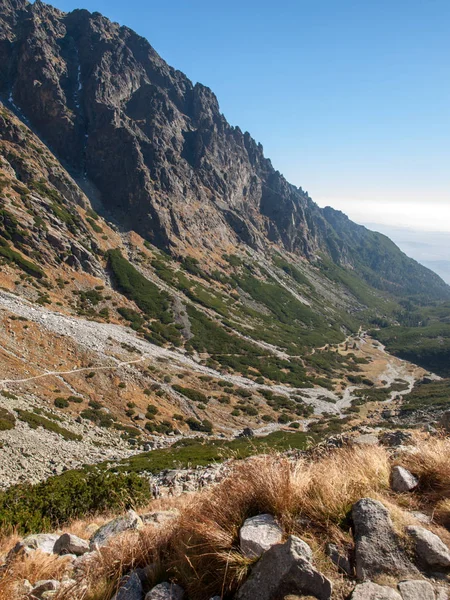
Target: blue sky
column 350, row 99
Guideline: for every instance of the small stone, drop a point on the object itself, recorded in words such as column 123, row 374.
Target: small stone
column 258, row 534
column 429, row 547
column 422, row 517
column 70, row 544
column 403, row 480
column 126, row 523
column 165, row 591
column 416, row 589
column 372, row 591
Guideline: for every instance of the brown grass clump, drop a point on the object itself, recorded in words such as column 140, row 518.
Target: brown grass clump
column 35, row 567
column 430, row 461
column 442, row 513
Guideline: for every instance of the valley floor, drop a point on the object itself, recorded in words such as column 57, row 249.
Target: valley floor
column 68, row 352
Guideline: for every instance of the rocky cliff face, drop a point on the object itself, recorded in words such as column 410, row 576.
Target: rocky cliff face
column 164, row 159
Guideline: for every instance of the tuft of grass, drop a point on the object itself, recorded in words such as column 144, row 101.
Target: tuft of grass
column 432, row 466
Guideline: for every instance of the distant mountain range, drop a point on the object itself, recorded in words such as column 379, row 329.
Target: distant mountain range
column 430, row 248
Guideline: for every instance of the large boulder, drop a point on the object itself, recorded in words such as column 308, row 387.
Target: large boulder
column 285, row 569
column 130, row 588
column 258, row 534
column 416, row 589
column 429, row 548
column 372, row 591
column 377, row 547
column 70, row 544
column 126, row 523
column 165, row 591
column 403, row 480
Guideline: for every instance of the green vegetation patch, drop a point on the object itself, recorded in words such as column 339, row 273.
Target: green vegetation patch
column 430, row 395
column 192, row 394
column 7, row 420
column 153, row 302
column 198, row 453
column 72, row 495
column 34, row 421
column 11, row 255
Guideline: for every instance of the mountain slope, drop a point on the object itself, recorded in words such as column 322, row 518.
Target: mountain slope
column 165, row 161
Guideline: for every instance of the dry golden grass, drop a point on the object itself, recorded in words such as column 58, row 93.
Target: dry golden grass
column 430, row 461
column 310, row 498
column 35, row 567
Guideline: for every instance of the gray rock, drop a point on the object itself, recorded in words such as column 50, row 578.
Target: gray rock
column 430, row 549
column 130, row 588
column 422, row 517
column 442, row 593
column 258, row 534
column 416, row 589
column 394, row 439
column 40, row 541
column 372, row 591
column 340, row 559
column 367, row 439
column 403, row 480
column 285, row 569
column 377, row 547
column 70, row 544
column 445, row 421
column 165, row 591
column 126, row 523
column 160, row 516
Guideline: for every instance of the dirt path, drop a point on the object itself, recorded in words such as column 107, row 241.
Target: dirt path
column 106, row 338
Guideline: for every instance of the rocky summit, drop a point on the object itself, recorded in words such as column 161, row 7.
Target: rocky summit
column 209, row 386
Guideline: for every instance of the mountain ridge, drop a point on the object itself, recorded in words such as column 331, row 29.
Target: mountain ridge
column 184, row 177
